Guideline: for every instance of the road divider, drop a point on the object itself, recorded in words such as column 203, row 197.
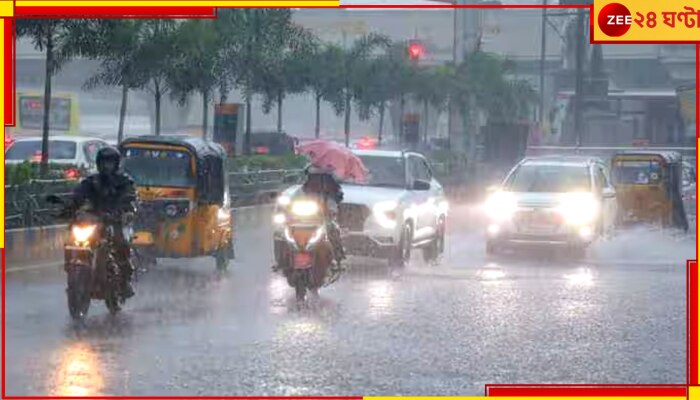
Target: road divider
column 31, row 248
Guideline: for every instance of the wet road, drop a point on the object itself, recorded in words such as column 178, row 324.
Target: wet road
column 617, row 317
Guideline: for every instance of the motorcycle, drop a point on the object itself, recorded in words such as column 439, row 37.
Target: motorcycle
column 309, row 252
column 91, row 268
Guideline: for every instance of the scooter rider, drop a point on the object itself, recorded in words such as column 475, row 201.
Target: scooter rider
column 323, row 183
column 112, row 194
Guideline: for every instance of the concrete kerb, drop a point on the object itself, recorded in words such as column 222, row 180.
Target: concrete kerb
column 43, row 245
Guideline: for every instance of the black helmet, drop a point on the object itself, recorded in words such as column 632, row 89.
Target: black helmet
column 108, row 159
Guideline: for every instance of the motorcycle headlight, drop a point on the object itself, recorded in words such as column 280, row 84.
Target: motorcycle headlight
column 305, row 208
column 279, row 219
column 385, row 213
column 83, row 233
column 283, row 200
column 500, row 206
column 578, row 208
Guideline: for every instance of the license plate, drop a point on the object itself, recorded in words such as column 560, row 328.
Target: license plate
column 302, row 260
column 142, row 238
column 537, row 222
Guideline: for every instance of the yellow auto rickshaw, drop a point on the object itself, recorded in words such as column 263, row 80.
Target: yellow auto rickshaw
column 648, row 186
column 184, row 203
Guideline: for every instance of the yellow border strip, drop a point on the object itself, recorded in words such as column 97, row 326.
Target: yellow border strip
column 166, row 3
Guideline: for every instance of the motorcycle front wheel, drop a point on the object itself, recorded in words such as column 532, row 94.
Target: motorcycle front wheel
column 301, row 278
column 78, row 291
column 112, row 279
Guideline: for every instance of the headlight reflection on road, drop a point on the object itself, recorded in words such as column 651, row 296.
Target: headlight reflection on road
column 583, row 277
column 300, row 331
column 79, row 373
column 491, row 273
column 381, row 298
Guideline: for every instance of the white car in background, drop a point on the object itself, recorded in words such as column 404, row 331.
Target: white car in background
column 566, row 201
column 401, row 207
column 78, row 151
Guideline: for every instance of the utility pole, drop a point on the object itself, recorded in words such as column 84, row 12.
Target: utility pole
column 543, row 50
column 578, row 98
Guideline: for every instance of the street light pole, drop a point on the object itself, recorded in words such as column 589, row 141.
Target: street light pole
column 543, row 48
column 578, row 99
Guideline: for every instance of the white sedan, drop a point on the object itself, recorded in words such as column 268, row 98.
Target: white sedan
column 77, row 151
column 400, row 208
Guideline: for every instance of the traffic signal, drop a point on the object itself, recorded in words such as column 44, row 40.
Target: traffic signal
column 416, row 50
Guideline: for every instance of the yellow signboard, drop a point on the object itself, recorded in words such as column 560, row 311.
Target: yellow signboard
column 668, row 21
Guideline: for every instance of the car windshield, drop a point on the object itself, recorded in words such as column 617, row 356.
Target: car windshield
column 548, row 178
column 159, row 167
column 637, row 172
column 384, row 171
column 30, row 150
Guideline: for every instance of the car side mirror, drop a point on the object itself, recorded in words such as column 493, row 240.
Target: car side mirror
column 421, row 185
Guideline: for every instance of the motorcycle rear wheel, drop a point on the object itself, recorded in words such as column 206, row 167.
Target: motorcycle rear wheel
column 78, row 291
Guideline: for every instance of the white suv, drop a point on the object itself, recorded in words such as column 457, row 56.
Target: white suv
column 401, row 207
column 567, row 201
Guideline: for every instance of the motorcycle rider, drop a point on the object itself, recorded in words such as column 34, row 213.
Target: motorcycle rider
column 322, row 183
column 112, row 194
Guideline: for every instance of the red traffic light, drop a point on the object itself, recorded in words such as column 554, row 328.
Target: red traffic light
column 415, row 50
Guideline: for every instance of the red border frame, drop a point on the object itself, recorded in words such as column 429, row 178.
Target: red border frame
column 495, row 390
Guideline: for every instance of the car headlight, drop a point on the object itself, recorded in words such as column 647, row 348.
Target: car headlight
column 578, row 208
column 305, row 208
column 385, row 213
column 83, row 233
column 500, row 206
column 284, row 200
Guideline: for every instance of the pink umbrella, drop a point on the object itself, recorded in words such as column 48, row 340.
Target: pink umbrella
column 336, row 159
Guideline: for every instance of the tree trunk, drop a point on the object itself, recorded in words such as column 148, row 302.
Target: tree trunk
column 122, row 113
column 44, row 167
column 205, row 113
column 425, row 121
column 158, row 95
column 248, row 113
column 347, row 119
column 279, row 112
column 381, row 122
column 318, row 116
column 402, row 105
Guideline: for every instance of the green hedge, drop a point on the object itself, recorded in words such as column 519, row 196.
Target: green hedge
column 18, row 174
column 266, row 162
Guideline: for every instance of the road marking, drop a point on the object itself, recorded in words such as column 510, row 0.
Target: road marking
column 34, row 267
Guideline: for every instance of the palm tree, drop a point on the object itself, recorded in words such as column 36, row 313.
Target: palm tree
column 327, row 83
column 358, row 53
column 251, row 42
column 290, row 70
column 61, row 39
column 196, row 63
column 120, row 45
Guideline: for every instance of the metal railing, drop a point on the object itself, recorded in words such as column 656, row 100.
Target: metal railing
column 25, row 204
column 603, row 151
